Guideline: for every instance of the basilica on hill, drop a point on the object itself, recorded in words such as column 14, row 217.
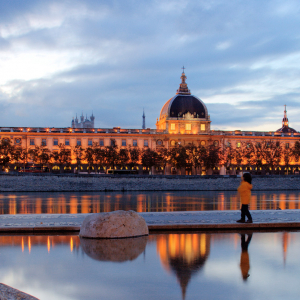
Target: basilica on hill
column 183, row 119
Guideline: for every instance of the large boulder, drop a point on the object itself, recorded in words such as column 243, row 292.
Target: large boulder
column 117, row 224
column 116, row 250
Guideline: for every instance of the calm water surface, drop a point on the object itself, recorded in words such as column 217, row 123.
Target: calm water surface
column 73, row 203
column 165, row 266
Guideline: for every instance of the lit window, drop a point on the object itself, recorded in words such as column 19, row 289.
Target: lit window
column 238, row 144
column 188, row 126
column 173, row 143
column 90, row 142
column 202, row 127
column 31, row 142
column 134, row 143
column 78, row 142
column 124, row 143
column 67, row 142
column 203, row 143
column 55, row 142
column 44, row 142
column 173, row 126
column 145, row 143
column 101, row 142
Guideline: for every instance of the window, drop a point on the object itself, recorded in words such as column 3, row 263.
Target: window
column 55, row 142
column 238, row 144
column 159, row 143
column 228, row 144
column 172, row 126
column 90, row 142
column 18, row 141
column 145, row 143
column 78, row 143
column 202, row 143
column 248, row 145
column 173, row 143
column 134, row 143
column 101, row 142
column 124, row 143
column 67, row 142
column 287, row 146
column 112, row 143
column 216, row 143
column 202, row 127
column 188, row 126
column 44, row 142
column 31, row 142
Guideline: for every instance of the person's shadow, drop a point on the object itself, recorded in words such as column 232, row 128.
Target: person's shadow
column 245, row 262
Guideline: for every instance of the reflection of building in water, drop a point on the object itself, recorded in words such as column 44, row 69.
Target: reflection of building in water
column 168, row 202
column 49, row 241
column 285, row 244
column 183, row 254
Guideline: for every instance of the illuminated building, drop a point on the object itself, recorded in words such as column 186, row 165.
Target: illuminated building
column 183, row 120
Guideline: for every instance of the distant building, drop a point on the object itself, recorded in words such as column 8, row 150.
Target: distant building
column 84, row 123
column 183, row 120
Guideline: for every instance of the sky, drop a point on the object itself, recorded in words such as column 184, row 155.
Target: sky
column 115, row 58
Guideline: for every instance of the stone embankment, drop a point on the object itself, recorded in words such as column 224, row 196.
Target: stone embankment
column 83, row 183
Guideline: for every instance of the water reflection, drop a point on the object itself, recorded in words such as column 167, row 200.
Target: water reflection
column 245, row 262
column 74, row 203
column 117, row 250
column 204, row 264
column 184, row 255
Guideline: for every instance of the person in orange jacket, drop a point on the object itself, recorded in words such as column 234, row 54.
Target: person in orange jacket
column 245, row 193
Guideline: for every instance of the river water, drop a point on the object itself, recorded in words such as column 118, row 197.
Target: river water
column 164, row 266
column 73, row 203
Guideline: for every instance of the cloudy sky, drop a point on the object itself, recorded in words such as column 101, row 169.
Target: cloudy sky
column 116, row 57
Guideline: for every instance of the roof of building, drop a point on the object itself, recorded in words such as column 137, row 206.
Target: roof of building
column 182, row 103
column 286, row 129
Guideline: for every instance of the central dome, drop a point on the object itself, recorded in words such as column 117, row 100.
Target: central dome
column 183, row 103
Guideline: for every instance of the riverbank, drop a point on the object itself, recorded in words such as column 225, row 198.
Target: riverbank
column 22, row 182
column 157, row 221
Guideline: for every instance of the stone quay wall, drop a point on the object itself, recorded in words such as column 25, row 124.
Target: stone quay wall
column 99, row 183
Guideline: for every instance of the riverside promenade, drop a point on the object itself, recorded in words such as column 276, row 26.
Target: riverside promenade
column 157, row 221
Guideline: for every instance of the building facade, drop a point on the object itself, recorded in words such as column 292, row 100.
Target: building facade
column 183, row 120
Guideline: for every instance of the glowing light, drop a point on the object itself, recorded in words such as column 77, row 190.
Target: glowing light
column 29, row 244
column 48, row 244
column 71, row 244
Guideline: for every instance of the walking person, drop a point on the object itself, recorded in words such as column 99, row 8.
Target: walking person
column 245, row 193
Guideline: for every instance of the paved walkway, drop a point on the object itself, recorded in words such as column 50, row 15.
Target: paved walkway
column 157, row 221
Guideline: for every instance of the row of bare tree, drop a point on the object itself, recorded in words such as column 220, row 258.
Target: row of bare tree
column 267, row 153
